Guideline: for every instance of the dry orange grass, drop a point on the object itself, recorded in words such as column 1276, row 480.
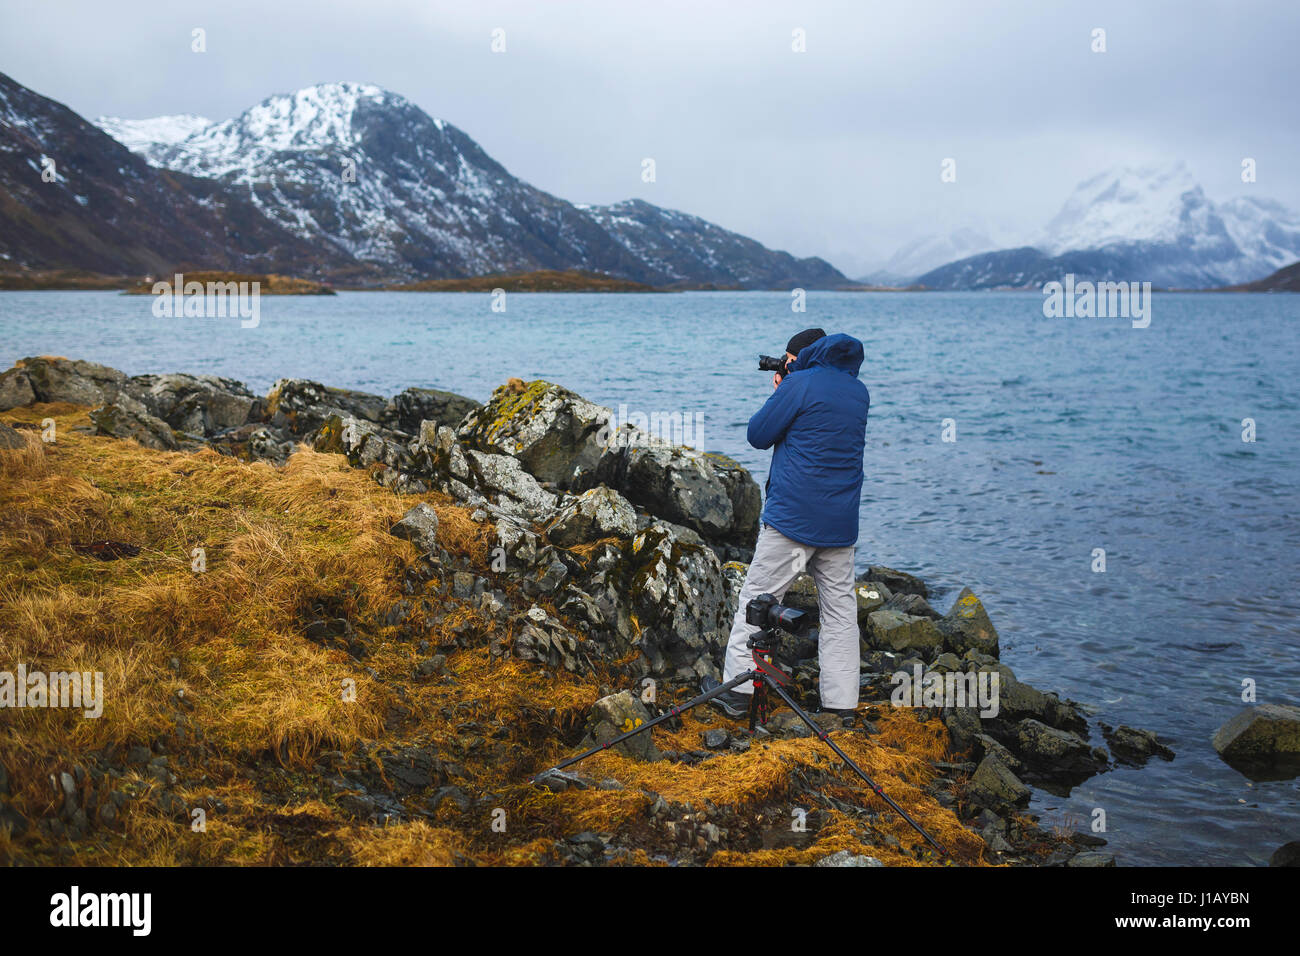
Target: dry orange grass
column 216, row 664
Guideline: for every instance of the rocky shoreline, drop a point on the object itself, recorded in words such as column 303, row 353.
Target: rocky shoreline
column 619, row 557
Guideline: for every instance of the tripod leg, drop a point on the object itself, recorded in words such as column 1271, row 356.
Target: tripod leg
column 825, row 738
column 673, row 712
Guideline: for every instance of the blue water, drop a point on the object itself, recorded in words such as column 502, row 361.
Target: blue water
column 1072, row 434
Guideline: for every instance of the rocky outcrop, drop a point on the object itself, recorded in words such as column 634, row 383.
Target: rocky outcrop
column 564, row 440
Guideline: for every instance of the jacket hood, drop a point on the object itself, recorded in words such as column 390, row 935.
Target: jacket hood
column 838, row 351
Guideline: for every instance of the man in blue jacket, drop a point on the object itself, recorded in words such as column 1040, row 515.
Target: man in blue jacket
column 815, row 423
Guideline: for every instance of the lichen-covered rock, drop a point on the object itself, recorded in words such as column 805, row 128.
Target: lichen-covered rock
column 967, row 626
column 618, row 714
column 562, row 439
column 871, row 596
column 504, row 481
column 406, row 410
column 301, row 406
column 122, row 421
column 553, row 432
column 598, row 513
column 675, row 604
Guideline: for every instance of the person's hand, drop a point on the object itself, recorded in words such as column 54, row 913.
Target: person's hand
column 776, row 379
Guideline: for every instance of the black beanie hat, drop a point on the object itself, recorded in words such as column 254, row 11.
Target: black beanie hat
column 802, row 340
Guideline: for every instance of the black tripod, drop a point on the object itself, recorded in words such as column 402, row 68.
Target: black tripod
column 765, row 675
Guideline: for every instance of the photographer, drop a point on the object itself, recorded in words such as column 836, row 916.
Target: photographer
column 815, row 422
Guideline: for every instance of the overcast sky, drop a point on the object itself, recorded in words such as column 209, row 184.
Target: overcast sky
column 834, row 152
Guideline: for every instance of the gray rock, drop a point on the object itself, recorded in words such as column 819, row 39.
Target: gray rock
column 598, row 513
column 993, row 785
column 118, row 421
column 1261, row 733
column 420, row 527
column 1134, row 746
column 670, row 600
column 716, row 739
column 301, row 406
column 1091, row 858
column 15, row 389
column 561, row 438
column 10, row 438
column 265, row 444
column 197, row 404
column 68, row 380
column 963, row 725
column 544, row 640
column 707, row 492
column 898, row 582
column 896, row 631
column 1288, row 854
column 510, row 487
column 845, row 858
column 912, row 604
column 1047, row 746
column 408, row 410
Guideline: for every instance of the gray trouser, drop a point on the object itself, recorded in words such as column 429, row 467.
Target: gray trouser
column 778, row 560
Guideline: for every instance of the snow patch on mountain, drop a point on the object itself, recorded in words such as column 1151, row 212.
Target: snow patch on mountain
column 144, row 136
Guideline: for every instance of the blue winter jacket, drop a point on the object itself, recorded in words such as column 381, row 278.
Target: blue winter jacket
column 817, row 419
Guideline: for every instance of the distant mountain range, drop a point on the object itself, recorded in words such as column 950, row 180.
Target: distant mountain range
column 1150, row 225
column 344, row 182
column 352, row 184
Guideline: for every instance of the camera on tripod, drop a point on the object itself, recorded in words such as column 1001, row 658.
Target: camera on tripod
column 766, row 612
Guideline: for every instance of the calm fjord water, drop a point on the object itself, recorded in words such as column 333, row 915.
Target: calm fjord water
column 1072, row 434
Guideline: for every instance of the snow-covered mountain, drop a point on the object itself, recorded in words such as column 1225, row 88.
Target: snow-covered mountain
column 1150, row 224
column 71, row 196
column 921, row 255
column 687, row 249
column 368, row 175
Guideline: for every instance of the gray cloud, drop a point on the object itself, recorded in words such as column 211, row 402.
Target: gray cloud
column 833, row 152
